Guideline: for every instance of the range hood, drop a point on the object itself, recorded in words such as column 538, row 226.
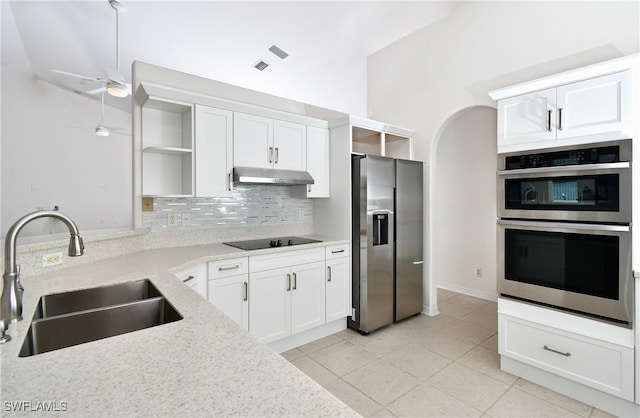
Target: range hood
column 253, row 175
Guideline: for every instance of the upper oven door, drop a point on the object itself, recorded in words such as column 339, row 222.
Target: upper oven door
column 586, row 193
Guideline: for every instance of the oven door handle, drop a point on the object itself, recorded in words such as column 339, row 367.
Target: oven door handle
column 574, row 168
column 552, row 225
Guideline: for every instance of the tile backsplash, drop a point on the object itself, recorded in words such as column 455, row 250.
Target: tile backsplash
column 249, row 205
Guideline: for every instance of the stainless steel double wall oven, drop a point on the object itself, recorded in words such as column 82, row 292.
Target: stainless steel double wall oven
column 564, row 229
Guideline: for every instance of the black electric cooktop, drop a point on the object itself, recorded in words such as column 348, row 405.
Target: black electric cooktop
column 259, row 244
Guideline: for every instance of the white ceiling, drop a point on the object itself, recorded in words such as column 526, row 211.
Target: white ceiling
column 214, row 39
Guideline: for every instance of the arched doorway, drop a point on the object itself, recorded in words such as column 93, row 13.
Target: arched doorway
column 463, row 204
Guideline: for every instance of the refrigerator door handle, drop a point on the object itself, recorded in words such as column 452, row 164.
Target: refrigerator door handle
column 418, row 262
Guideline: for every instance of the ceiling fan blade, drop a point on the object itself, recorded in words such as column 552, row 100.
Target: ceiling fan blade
column 95, row 91
column 81, row 77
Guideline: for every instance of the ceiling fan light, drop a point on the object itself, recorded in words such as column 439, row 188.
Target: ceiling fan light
column 117, row 90
column 102, row 130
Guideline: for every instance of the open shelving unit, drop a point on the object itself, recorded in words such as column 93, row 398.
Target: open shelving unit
column 167, row 148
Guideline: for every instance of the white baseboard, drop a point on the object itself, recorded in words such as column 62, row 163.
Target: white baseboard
column 430, row 310
column 306, row 337
column 492, row 296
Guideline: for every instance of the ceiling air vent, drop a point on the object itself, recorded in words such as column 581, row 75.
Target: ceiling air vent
column 260, row 65
column 278, row 52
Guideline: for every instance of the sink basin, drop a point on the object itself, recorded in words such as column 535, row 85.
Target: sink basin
column 95, row 297
column 67, row 319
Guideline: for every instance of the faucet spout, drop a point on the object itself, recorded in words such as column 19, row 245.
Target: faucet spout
column 11, row 298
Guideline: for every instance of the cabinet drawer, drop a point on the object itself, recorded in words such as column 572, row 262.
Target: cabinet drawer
column 285, row 259
column 195, row 278
column 228, row 268
column 599, row 364
column 337, row 251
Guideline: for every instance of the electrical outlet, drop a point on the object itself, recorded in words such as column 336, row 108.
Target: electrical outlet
column 53, row 259
column 478, row 271
column 186, row 218
column 173, row 219
column 301, row 214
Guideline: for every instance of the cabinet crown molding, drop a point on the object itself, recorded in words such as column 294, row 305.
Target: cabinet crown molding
column 579, row 74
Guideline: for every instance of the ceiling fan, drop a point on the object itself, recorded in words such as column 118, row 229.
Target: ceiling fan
column 115, row 85
column 103, row 130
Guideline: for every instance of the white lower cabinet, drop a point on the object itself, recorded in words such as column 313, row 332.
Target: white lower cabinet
column 338, row 282
column 195, row 278
column 588, row 352
column 287, row 293
column 229, row 288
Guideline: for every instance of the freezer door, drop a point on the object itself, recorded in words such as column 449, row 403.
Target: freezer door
column 409, row 256
column 376, row 242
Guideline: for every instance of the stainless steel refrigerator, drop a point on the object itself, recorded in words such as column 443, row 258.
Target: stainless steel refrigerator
column 386, row 240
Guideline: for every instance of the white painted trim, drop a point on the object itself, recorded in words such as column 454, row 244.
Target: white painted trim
column 373, row 125
column 430, row 310
column 492, row 296
column 604, row 401
column 308, row 336
column 591, row 71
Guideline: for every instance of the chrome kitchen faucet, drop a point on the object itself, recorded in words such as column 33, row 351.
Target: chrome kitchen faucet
column 11, row 299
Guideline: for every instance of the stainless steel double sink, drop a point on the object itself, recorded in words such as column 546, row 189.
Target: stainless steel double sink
column 71, row 318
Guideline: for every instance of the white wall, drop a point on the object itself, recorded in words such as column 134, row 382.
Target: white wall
column 50, row 154
column 464, row 204
column 422, row 80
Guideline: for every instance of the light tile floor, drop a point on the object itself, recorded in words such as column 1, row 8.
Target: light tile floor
column 442, row 366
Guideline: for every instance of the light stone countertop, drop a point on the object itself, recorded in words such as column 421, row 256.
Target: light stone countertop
column 202, row 365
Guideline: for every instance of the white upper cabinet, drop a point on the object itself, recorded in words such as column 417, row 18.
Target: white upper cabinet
column 318, row 161
column 595, row 106
column 289, row 145
column 268, row 143
column 213, row 151
column 252, row 141
column 593, row 110
column 527, row 118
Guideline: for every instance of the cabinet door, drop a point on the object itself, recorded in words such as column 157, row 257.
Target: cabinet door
column 270, row 314
column 527, row 118
column 307, row 296
column 318, row 161
column 231, row 296
column 195, row 278
column 337, row 289
column 252, row 141
column 595, row 106
column 290, row 145
column 213, row 151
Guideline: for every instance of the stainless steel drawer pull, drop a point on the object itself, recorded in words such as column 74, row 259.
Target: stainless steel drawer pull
column 563, row 353
column 225, row 268
column 560, row 119
column 295, row 281
column 337, row 251
column 188, row 279
column 270, row 154
column 288, row 282
column 277, row 154
column 549, row 120
column 418, row 262
column 328, row 273
column 246, row 291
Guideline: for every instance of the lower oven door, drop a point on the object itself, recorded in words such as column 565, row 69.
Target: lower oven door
column 583, row 268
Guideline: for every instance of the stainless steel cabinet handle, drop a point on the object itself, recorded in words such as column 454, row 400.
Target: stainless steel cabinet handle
column 229, row 182
column 288, row 282
column 225, row 268
column 188, row 279
column 563, row 353
column 246, row 291
column 418, row 262
column 277, row 154
column 270, row 154
column 549, row 120
column 295, row 281
column 337, row 251
column 328, row 273
column 559, row 119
